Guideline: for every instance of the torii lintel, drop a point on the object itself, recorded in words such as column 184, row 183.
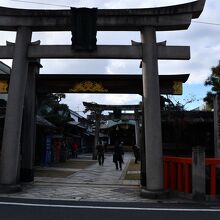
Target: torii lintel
column 167, row 18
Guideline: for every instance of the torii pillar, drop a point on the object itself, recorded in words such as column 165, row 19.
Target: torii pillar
column 12, row 130
column 137, row 128
column 29, row 123
column 152, row 117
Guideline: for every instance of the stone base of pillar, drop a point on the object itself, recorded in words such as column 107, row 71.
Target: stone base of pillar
column 157, row 194
column 10, row 188
column 26, row 175
column 199, row 197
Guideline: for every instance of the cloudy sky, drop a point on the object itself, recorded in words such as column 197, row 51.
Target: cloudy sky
column 202, row 36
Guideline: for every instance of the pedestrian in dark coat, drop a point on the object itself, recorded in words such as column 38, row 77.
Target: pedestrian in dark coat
column 100, row 154
column 118, row 156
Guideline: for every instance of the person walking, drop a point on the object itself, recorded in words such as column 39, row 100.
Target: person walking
column 118, row 156
column 136, row 151
column 100, row 154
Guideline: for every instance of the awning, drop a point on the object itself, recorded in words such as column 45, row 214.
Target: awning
column 43, row 122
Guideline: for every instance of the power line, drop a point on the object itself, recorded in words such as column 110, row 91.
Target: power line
column 41, row 3
column 208, row 23
column 68, row 6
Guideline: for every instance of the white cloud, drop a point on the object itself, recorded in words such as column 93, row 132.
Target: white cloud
column 115, row 66
column 123, row 66
column 122, row 99
column 7, row 36
column 52, row 37
column 74, row 101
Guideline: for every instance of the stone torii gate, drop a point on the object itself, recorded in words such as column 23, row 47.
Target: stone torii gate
column 146, row 21
column 98, row 109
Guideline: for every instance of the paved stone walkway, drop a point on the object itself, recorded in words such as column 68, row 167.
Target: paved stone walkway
column 94, row 183
column 95, row 174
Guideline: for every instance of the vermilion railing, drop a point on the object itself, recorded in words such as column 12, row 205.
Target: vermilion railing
column 178, row 173
column 212, row 163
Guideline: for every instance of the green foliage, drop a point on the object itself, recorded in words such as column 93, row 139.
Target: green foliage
column 214, row 81
column 59, row 96
column 209, row 100
column 51, row 109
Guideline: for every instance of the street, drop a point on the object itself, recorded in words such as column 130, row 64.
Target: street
column 48, row 209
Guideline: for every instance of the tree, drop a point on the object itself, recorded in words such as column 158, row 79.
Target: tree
column 51, row 109
column 214, row 81
column 171, row 104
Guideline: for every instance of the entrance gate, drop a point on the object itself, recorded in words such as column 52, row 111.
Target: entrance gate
column 147, row 21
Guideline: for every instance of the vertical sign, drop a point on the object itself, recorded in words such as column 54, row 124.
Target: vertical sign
column 48, row 150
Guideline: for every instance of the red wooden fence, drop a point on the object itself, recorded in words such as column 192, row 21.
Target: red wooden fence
column 178, row 173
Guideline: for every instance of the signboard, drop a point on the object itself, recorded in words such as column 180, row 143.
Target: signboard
column 177, row 88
